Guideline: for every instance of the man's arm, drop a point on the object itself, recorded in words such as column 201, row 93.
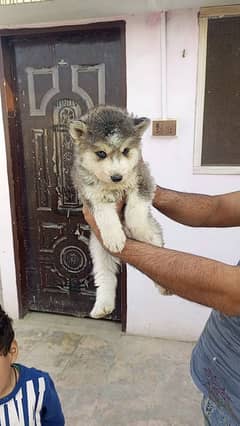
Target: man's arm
column 199, row 210
column 195, row 278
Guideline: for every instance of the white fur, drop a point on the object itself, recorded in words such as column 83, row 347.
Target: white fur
column 105, row 268
column 103, row 170
column 115, row 138
column 110, row 226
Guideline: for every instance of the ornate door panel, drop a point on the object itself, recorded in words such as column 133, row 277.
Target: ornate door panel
column 59, row 79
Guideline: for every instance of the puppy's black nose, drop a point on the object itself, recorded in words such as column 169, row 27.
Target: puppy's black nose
column 116, row 178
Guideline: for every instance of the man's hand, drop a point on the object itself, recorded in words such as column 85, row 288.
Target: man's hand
column 88, row 216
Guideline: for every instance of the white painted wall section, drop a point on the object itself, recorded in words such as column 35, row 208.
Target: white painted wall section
column 171, row 161
column 7, row 263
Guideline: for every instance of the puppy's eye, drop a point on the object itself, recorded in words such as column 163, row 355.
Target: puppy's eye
column 125, row 151
column 101, row 154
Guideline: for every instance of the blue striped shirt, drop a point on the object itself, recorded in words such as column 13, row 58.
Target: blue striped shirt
column 33, row 401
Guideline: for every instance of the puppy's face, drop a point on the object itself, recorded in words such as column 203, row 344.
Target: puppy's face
column 108, row 143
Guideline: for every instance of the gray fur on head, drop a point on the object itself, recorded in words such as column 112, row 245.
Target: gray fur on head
column 102, row 122
column 114, row 127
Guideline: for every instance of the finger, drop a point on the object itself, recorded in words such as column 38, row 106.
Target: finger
column 120, row 206
column 85, row 212
column 87, row 215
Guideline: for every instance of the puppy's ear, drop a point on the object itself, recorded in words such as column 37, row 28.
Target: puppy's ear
column 78, row 130
column 141, row 124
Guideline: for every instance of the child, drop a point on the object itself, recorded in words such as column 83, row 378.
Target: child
column 27, row 396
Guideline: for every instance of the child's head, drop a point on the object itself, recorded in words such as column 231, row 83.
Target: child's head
column 8, row 351
column 6, row 333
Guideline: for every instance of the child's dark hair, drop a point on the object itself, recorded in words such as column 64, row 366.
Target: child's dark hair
column 6, row 333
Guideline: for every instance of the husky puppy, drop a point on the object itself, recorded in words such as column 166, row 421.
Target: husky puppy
column 108, row 167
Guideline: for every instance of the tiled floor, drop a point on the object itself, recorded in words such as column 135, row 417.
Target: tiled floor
column 107, row 378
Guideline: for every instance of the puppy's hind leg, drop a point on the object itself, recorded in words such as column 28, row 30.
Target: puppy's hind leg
column 105, row 268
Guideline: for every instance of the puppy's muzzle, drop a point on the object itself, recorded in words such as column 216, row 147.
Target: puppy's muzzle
column 116, row 178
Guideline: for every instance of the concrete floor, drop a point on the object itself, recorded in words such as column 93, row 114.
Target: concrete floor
column 107, row 378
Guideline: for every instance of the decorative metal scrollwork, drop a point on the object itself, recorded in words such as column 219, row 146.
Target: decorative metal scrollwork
column 65, row 110
column 73, row 259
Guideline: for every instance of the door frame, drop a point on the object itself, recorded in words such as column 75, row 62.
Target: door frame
column 14, row 141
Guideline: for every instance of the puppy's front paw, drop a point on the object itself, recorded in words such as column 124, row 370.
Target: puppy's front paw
column 114, row 241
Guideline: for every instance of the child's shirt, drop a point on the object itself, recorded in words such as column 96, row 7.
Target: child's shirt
column 33, row 401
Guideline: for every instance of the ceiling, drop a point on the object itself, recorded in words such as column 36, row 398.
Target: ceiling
column 71, row 11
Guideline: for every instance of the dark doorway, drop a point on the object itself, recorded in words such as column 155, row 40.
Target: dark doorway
column 50, row 79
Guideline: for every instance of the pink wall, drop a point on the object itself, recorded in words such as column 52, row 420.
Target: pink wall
column 171, row 162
